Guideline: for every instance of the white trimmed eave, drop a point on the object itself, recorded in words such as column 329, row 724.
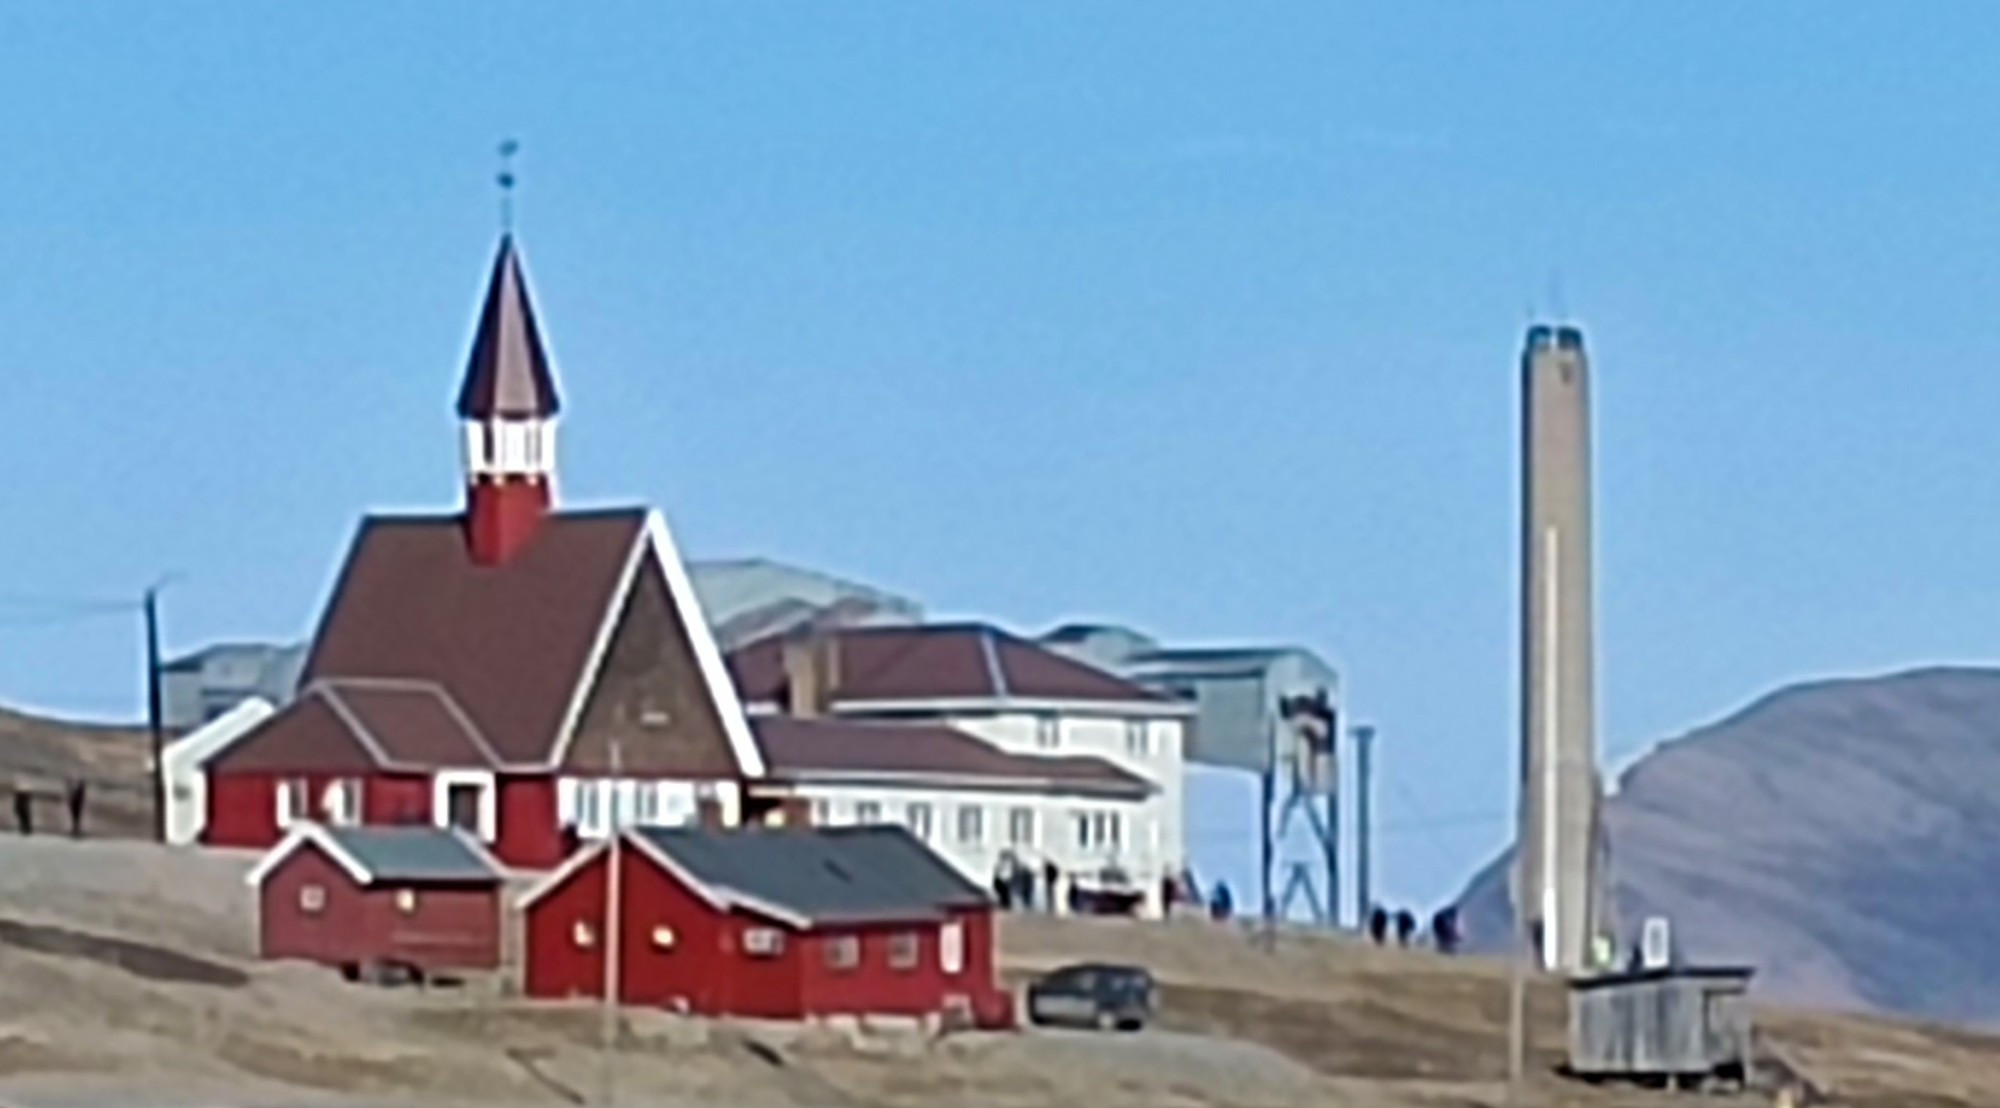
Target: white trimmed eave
column 997, row 705
column 657, row 539
column 713, row 897
column 1137, row 790
column 300, row 835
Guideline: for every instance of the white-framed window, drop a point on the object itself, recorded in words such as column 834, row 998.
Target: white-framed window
column 1048, row 732
column 904, row 950
column 294, row 800
column 1138, row 737
column 918, row 818
column 340, row 801
column 583, row 933
column 867, row 811
column 589, row 808
column 822, row 812
column 649, row 803
column 406, row 901
column 971, row 824
column 843, row 952
column 1021, row 826
column 763, row 942
column 1099, row 830
column 951, row 948
column 312, row 899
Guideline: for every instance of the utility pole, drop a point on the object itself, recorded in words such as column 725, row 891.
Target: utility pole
column 613, row 929
column 154, row 723
column 1265, row 816
column 1364, row 822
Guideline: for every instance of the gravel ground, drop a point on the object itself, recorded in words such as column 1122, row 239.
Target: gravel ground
column 126, row 980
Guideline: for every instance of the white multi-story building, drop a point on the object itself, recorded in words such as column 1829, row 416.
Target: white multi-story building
column 1083, row 769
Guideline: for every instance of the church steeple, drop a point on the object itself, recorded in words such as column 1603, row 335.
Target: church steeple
column 508, row 403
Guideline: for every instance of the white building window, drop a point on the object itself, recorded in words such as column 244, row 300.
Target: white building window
column 971, row 824
column 312, row 899
column 1048, row 732
column 341, row 802
column 1099, row 830
column 918, row 818
column 763, row 942
column 1138, row 737
column 822, row 813
column 951, row 948
column 589, row 809
column 867, row 811
column 843, row 952
column 294, row 801
column 649, row 804
column 1021, row 827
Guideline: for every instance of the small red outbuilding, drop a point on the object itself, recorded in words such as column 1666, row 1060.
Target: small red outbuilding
column 779, row 923
column 420, row 899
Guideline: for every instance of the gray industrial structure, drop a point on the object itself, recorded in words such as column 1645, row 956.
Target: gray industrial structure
column 1241, row 696
column 1560, row 851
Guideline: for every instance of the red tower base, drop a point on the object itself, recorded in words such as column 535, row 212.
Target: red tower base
column 501, row 517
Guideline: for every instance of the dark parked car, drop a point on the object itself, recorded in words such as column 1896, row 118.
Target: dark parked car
column 1093, row 995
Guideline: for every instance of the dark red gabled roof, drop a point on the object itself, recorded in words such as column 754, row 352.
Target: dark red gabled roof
column 511, row 644
column 508, row 374
column 349, row 726
column 936, row 662
column 801, row 749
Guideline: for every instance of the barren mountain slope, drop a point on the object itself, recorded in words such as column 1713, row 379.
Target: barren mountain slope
column 1842, row 836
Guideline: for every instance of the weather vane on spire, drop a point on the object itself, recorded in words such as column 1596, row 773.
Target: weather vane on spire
column 508, row 148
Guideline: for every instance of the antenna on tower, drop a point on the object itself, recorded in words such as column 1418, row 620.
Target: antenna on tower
column 505, row 179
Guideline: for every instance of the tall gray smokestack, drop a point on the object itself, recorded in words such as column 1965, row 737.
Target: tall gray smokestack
column 1556, row 893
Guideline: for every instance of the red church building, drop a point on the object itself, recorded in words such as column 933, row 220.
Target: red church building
column 783, row 923
column 531, row 675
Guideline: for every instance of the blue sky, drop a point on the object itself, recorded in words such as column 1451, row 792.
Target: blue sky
column 1198, row 317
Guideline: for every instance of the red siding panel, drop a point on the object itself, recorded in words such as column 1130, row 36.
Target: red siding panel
column 699, row 962
column 445, row 928
column 529, row 836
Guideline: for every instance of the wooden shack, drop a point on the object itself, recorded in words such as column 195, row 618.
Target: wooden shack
column 1685, row 1026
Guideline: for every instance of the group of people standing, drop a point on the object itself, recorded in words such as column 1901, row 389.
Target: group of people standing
column 75, row 793
column 1444, row 931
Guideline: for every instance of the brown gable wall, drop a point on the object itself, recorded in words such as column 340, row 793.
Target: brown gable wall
column 650, row 669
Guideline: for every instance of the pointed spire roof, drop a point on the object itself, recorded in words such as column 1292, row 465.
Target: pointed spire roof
column 508, row 374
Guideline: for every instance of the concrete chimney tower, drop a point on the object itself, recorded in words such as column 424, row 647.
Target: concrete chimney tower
column 1557, row 881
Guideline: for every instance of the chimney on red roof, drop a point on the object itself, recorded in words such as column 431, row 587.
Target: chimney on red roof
column 812, row 670
column 508, row 404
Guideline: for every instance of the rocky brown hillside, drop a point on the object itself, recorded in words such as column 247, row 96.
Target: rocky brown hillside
column 1842, row 836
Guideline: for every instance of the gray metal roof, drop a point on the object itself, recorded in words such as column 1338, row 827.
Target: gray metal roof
column 824, row 875
column 413, row 854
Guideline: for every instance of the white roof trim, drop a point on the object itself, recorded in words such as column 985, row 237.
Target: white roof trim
column 353, row 721
column 721, row 690
column 194, row 749
column 713, row 897
column 987, row 705
column 911, row 779
column 300, row 835
column 656, row 538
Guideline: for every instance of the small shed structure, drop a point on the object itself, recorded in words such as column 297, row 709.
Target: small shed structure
column 777, row 923
column 420, row 901
column 1683, row 1025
